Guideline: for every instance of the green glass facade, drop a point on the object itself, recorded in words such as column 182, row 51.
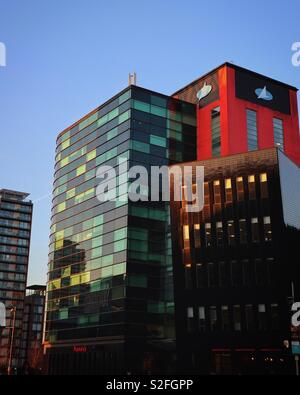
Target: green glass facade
column 109, row 291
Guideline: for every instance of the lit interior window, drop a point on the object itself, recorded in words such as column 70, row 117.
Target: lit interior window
column 263, row 177
column 186, row 232
column 228, row 183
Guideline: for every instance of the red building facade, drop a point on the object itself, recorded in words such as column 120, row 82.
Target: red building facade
column 233, row 91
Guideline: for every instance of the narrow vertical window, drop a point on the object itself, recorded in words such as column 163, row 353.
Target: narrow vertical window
column 278, row 133
column 213, row 318
column 219, row 231
column 224, row 270
column 202, row 278
column 217, row 192
column 190, row 319
column 261, row 272
column 255, row 230
column 197, row 238
column 208, row 234
column 252, row 130
column 231, row 233
column 262, row 317
column 251, row 187
column 267, row 229
column 243, row 231
column 249, row 316
column 263, row 178
column 225, row 318
column 206, row 193
column 213, row 274
column 216, row 132
column 240, row 188
column 228, row 190
column 236, row 273
column 186, row 236
column 202, row 325
column 237, row 318
column 188, row 277
column 275, row 316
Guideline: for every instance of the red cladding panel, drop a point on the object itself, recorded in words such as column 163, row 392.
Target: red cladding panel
column 234, row 122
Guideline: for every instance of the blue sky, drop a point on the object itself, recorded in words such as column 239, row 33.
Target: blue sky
column 65, row 57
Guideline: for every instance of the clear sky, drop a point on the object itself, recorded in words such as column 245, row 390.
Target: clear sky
column 65, row 57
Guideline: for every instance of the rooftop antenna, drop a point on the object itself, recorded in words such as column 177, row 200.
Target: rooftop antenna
column 132, row 79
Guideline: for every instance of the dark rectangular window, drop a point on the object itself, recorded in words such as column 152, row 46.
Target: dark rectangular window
column 206, row 194
column 240, row 188
column 274, row 317
column 261, row 272
column 213, row 318
column 225, row 318
column 236, row 273
column 243, row 230
column 278, row 133
column 237, row 322
column 252, row 130
column 188, row 278
column 249, row 272
column 208, row 234
column 202, row 324
column 264, row 193
column 273, row 271
column 249, row 316
column 224, row 271
column 255, row 230
column 217, row 192
column 262, row 317
column 213, row 274
column 231, row 232
column 228, row 190
column 216, row 132
column 251, row 187
column 197, row 238
column 267, row 229
column 220, row 234
column 190, row 319
column 202, row 278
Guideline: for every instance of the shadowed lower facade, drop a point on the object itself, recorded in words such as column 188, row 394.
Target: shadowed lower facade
column 235, row 265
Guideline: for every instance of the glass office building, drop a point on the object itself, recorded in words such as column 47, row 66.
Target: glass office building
column 110, row 305
column 15, row 229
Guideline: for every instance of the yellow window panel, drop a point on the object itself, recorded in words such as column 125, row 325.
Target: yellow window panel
column 80, row 170
column 70, row 193
column 79, row 198
column 66, row 272
column 186, row 232
column 59, row 244
column 65, row 144
column 84, row 278
column 64, row 161
column 263, row 177
column 75, row 280
column 61, row 207
column 91, row 155
column 59, row 235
